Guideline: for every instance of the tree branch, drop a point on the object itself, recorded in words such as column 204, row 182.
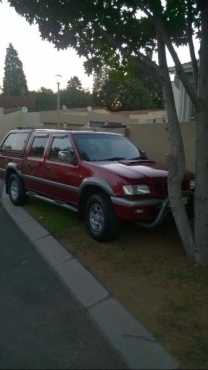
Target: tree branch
column 194, row 61
column 152, row 66
column 178, row 66
column 144, row 59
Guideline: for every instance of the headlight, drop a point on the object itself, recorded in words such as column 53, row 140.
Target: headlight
column 136, row 189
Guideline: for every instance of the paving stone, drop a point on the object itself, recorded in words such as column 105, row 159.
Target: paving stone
column 18, row 214
column 82, row 283
column 33, row 230
column 52, row 251
column 138, row 347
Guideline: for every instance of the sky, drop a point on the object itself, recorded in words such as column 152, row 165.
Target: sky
column 41, row 61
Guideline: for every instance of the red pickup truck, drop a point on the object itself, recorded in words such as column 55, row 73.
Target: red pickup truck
column 103, row 176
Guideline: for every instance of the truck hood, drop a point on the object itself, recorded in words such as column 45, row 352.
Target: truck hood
column 133, row 170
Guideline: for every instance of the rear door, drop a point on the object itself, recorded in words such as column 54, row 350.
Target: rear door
column 63, row 177
column 33, row 167
column 12, row 150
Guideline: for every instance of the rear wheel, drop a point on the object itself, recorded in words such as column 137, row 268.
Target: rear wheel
column 16, row 190
column 101, row 220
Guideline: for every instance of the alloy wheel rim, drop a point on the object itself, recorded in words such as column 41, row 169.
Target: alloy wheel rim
column 96, row 218
column 14, row 190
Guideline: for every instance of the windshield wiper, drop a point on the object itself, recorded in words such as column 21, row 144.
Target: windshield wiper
column 115, row 159
column 135, row 159
column 141, row 158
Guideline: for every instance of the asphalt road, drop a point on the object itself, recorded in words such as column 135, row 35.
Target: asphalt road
column 41, row 325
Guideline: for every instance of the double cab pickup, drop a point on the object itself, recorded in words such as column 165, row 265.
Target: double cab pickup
column 101, row 175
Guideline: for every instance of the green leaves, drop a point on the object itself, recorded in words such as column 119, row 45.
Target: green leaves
column 128, row 87
column 108, row 31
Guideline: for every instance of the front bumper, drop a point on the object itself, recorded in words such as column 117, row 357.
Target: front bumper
column 144, row 210
column 148, row 212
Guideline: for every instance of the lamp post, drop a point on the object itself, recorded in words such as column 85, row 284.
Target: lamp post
column 58, row 78
column 89, row 109
column 58, row 96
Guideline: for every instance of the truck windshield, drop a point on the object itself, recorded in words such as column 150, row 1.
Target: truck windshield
column 105, row 147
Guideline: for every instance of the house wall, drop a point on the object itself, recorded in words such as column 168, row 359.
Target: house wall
column 153, row 139
column 182, row 100
column 82, row 117
column 18, row 119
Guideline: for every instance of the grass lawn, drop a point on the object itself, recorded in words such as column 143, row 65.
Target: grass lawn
column 147, row 272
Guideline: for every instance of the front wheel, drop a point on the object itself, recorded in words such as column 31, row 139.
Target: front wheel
column 101, row 220
column 16, row 190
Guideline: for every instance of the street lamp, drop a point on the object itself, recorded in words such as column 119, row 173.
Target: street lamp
column 58, row 81
column 58, row 78
column 89, row 109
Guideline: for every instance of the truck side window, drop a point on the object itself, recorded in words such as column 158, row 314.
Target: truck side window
column 38, row 146
column 59, row 144
column 15, row 142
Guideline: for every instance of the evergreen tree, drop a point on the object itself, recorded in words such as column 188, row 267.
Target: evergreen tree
column 74, row 84
column 74, row 96
column 14, row 83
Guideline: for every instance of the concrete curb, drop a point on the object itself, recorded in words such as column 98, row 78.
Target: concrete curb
column 136, row 345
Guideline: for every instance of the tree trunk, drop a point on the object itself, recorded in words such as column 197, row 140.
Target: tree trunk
column 191, row 45
column 176, row 159
column 201, row 193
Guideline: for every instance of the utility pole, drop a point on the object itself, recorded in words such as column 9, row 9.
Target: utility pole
column 58, row 77
column 58, row 97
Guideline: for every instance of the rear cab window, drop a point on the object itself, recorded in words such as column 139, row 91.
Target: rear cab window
column 38, row 146
column 15, row 142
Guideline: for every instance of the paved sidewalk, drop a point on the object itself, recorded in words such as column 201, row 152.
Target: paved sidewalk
column 42, row 324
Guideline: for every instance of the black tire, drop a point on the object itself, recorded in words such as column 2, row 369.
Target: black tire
column 19, row 198
column 108, row 221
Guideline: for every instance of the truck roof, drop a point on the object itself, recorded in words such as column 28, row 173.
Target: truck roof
column 61, row 131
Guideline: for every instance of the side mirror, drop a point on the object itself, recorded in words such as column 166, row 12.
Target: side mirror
column 67, row 156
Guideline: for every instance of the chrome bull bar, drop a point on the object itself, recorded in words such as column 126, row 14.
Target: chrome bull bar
column 160, row 217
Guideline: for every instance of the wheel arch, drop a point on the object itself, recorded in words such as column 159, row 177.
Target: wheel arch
column 93, row 186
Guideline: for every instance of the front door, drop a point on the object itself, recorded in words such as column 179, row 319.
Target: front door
column 62, row 176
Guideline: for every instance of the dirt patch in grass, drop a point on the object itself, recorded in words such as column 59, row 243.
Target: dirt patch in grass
column 147, row 272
